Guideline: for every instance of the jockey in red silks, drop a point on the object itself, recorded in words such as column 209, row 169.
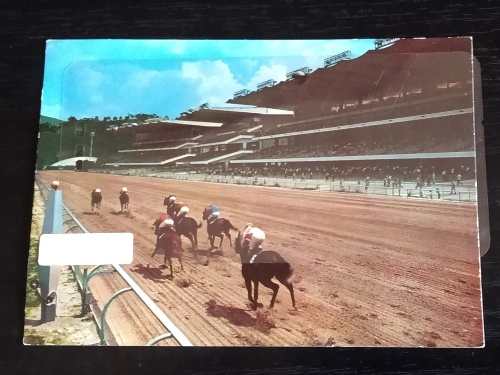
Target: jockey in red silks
column 168, row 239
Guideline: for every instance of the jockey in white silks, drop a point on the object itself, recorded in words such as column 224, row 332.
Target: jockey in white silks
column 183, row 211
column 252, row 239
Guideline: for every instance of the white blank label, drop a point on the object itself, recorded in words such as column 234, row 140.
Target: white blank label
column 85, row 249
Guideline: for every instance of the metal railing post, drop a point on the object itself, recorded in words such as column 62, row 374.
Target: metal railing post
column 101, row 330
column 159, row 338
column 49, row 275
column 85, row 280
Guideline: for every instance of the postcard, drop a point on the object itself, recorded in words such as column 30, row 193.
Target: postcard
column 289, row 193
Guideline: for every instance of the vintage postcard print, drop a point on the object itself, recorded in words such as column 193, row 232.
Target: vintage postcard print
column 278, row 193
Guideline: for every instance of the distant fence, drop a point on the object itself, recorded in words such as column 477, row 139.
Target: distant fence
column 439, row 191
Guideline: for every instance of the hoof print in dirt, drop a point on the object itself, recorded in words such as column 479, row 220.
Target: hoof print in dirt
column 183, row 283
column 264, row 321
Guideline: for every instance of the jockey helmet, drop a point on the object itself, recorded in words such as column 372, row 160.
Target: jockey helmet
column 97, row 190
column 213, row 208
column 171, row 198
column 166, row 223
column 124, row 189
column 183, row 210
column 55, row 184
column 255, row 237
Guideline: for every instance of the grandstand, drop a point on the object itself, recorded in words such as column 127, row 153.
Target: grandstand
column 404, row 109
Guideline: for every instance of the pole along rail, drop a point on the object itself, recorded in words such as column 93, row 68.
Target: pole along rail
column 173, row 331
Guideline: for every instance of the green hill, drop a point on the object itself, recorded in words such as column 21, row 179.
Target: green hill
column 49, row 120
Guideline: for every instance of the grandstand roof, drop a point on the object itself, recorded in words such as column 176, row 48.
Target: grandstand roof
column 407, row 63
column 183, row 123
column 230, row 114
column 72, row 161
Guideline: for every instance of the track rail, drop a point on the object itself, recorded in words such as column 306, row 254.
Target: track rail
column 173, row 331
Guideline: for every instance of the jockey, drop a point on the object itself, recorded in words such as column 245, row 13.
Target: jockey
column 123, row 192
column 170, row 203
column 169, row 200
column 161, row 219
column 167, row 224
column 183, row 211
column 214, row 213
column 253, row 238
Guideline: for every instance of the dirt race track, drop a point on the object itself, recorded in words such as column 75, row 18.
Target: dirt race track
column 369, row 271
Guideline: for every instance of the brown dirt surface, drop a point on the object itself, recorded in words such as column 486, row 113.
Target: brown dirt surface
column 368, row 271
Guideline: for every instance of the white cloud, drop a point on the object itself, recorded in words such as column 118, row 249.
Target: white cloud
column 265, row 72
column 214, row 81
column 142, row 79
column 87, row 78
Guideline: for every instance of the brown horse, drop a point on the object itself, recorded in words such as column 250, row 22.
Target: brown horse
column 124, row 201
column 218, row 228
column 187, row 227
column 169, row 242
column 95, row 199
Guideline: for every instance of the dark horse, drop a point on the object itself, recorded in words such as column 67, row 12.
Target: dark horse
column 261, row 268
column 218, row 228
column 124, row 201
column 169, row 242
column 187, row 227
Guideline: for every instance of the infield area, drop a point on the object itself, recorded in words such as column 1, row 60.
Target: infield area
column 369, row 270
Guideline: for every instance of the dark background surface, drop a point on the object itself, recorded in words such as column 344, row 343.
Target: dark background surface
column 24, row 28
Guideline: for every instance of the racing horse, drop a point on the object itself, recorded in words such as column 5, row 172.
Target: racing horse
column 124, row 199
column 168, row 242
column 218, row 228
column 95, row 199
column 260, row 266
column 187, row 227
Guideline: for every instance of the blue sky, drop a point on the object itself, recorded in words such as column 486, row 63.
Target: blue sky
column 104, row 77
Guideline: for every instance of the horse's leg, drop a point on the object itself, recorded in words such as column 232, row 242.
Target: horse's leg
column 221, row 235
column 156, row 248
column 180, row 261
column 289, row 285
column 255, row 294
column 195, row 236
column 275, row 287
column 211, row 238
column 190, row 236
column 248, row 284
column 228, row 234
column 171, row 268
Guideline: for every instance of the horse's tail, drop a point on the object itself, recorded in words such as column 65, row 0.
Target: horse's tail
column 286, row 269
column 290, row 274
column 231, row 226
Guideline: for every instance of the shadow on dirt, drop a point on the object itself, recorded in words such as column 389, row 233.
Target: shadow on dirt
column 90, row 212
column 234, row 315
column 122, row 213
column 150, row 273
